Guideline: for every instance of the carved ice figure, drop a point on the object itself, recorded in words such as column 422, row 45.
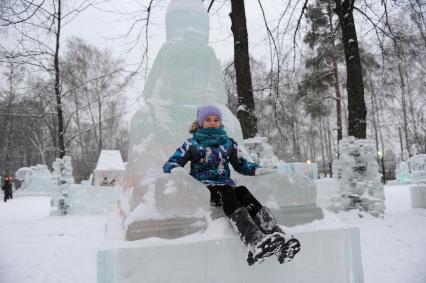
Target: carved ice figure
column 36, row 179
column 403, row 172
column 185, row 75
column 417, row 166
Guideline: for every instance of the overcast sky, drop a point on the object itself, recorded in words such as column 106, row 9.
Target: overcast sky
column 99, row 26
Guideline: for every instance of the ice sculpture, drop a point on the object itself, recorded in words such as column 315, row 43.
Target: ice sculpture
column 417, row 165
column 261, row 151
column 36, row 180
column 412, row 170
column 403, row 172
column 62, row 170
column 357, row 171
column 185, row 75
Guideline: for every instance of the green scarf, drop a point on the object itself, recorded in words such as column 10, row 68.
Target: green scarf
column 211, row 136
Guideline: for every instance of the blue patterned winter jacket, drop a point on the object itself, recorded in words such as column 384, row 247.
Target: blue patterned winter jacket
column 210, row 162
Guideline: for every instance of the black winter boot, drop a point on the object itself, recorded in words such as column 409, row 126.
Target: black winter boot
column 260, row 245
column 266, row 221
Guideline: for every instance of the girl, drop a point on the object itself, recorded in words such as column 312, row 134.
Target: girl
column 210, row 152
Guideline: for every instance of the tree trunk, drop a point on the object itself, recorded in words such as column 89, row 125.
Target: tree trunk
column 404, row 106
column 8, row 148
column 357, row 125
column 401, row 143
column 374, row 110
column 321, row 134
column 246, row 112
column 59, row 107
column 416, row 134
column 100, row 144
column 336, row 78
column 338, row 101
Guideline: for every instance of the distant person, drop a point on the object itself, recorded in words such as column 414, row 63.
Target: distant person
column 7, row 188
column 112, row 183
column 210, row 152
column 105, row 182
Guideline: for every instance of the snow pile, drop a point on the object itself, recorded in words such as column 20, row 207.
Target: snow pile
column 359, row 179
column 36, row 179
column 62, row 170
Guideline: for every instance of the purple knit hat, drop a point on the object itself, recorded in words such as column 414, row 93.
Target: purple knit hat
column 205, row 111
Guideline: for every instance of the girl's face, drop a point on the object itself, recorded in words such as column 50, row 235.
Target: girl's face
column 212, row 121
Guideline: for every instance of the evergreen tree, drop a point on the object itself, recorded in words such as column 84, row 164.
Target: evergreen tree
column 322, row 73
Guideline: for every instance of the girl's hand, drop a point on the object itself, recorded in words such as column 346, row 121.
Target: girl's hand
column 264, row 171
column 178, row 170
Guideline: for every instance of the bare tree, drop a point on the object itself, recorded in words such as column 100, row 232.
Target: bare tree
column 39, row 45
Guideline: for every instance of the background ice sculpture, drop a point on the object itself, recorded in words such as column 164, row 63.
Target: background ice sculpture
column 185, row 75
column 62, row 170
column 36, row 180
column 359, row 180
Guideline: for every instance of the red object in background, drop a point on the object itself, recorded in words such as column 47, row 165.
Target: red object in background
column 8, row 178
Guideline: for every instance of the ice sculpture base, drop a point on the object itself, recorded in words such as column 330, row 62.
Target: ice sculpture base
column 297, row 214
column 329, row 256
column 173, row 228
column 418, row 196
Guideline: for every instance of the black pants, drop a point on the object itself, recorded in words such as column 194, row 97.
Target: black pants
column 7, row 195
column 231, row 198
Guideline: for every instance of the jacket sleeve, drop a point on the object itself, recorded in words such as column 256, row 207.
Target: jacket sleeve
column 240, row 164
column 179, row 158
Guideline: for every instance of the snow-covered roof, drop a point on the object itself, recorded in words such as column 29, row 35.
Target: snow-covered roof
column 110, row 160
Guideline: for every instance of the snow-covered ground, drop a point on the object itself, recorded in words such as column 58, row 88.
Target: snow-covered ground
column 36, row 247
